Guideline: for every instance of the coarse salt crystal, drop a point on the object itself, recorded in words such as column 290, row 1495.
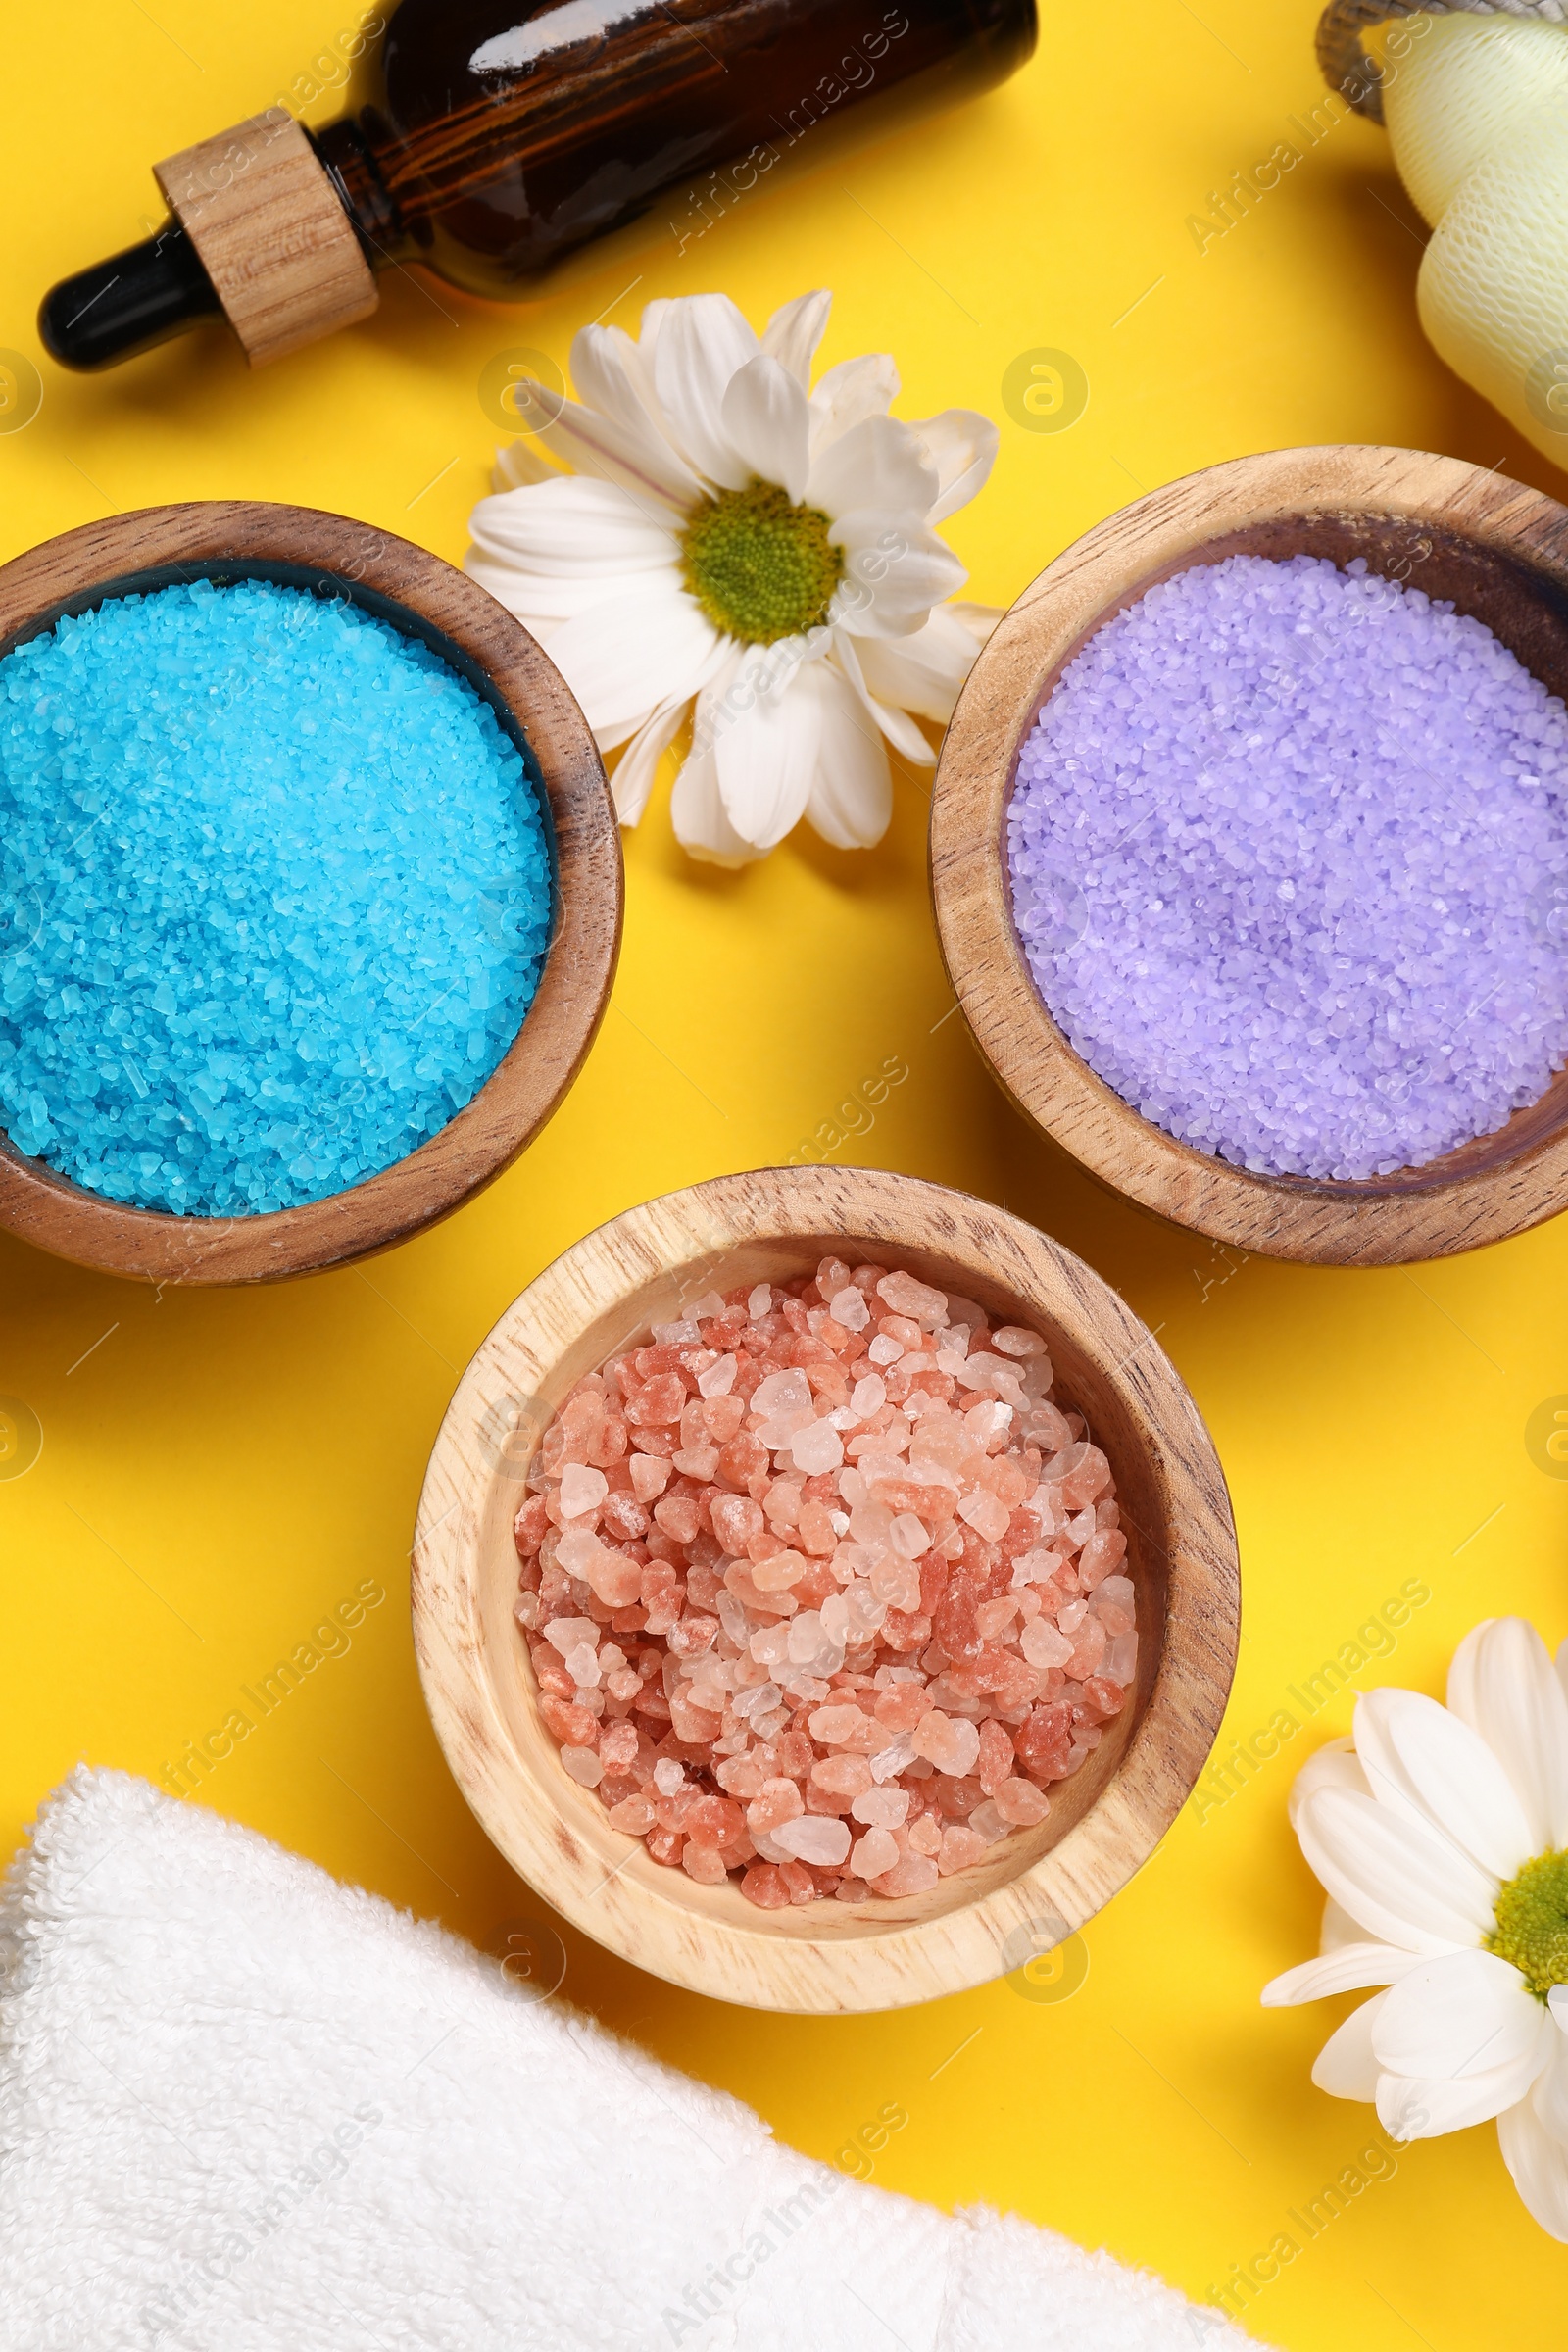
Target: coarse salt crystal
column 873, row 1853
column 835, row 1723
column 888, row 1762
column 567, row 1633
column 909, row 1537
column 985, row 1514
column 760, row 1591
column 914, row 1873
column 917, row 1300
column 819, row 1837
column 817, row 1448
column 649, row 1475
column 577, row 1547
column 309, row 931
column 1020, row 1804
column 1214, row 839
column 948, row 1741
column 1120, row 1662
column 881, row 1809
column 1044, row 1646
column 582, row 1490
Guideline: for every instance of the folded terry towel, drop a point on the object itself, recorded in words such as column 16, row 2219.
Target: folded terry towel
column 241, row 2105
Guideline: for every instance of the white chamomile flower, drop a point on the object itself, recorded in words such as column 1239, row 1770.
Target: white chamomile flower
column 1441, row 1835
column 732, row 538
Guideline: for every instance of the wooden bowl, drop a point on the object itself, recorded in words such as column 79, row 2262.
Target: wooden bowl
column 1498, row 551
column 1037, row 1886
column 425, row 598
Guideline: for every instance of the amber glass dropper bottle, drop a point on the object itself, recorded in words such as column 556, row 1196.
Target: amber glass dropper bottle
column 502, row 137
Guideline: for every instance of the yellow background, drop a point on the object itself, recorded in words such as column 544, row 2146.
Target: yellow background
column 221, row 1468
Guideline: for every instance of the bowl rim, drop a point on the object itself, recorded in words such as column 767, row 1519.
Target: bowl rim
column 389, row 576
column 751, row 1960
column 1418, row 1213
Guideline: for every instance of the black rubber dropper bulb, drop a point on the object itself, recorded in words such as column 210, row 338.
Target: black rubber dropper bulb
column 146, row 295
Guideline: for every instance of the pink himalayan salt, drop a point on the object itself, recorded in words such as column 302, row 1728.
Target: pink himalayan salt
column 703, row 1863
column 581, row 1490
column 875, row 1854
column 814, row 1838
column 948, row 1741
column 1020, row 1803
column 961, row 1848
column 914, row 1874
column 775, row 1803
column 882, row 1808
column 826, row 1588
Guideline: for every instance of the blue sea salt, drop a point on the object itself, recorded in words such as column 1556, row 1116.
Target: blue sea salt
column 275, row 896
column 1289, row 852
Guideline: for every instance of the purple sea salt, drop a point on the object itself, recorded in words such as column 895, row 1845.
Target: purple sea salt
column 1289, row 850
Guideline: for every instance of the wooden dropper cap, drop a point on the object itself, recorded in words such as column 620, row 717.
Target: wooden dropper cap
column 270, row 232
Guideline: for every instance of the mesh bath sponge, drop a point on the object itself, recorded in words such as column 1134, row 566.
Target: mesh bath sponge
column 1476, row 101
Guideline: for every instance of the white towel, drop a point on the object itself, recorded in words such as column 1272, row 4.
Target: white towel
column 244, row 2107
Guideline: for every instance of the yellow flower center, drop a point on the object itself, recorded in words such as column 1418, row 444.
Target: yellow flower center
column 1532, row 1923
column 761, row 567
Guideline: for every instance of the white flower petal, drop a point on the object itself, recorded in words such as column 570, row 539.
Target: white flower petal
column 1338, row 1927
column 1502, row 1683
column 611, row 375
column 697, row 809
column 1347, row 1969
column 520, row 463
column 900, row 730
column 640, row 460
column 961, row 445
column 765, row 417
column 552, row 550
column 1402, row 1881
column 895, row 571
column 651, row 324
column 851, row 800
column 702, row 340
column 1467, row 2013
column 1425, row 2106
column 572, row 527
column 879, row 462
column 631, row 652
column 766, row 740
column 1550, row 2093
column 633, row 779
column 1417, row 1751
column 923, row 671
column 846, row 395
column 1335, row 1765
column 1538, row 2162
column 1345, row 2066
column 793, row 333
column 540, row 610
